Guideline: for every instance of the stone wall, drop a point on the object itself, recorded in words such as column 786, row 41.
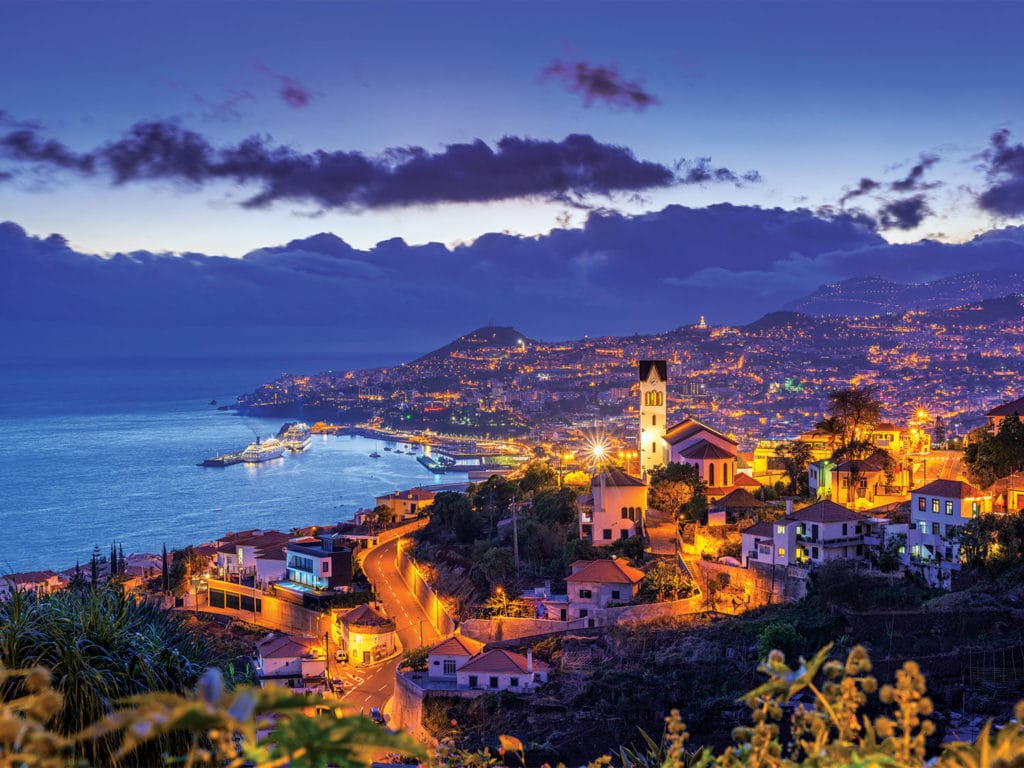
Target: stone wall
column 424, row 594
column 733, row 589
column 407, row 707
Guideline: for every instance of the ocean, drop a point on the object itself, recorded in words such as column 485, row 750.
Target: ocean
column 106, row 452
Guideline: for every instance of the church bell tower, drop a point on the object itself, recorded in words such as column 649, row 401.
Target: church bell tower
column 653, row 376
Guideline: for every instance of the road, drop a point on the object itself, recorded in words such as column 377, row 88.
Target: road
column 410, row 619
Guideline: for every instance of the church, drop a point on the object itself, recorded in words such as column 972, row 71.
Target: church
column 713, row 453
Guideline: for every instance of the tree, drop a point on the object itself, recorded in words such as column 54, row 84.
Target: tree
column 989, row 457
column 673, row 485
column 165, row 572
column 122, row 566
column 536, row 476
column 452, row 517
column 780, row 636
column 94, row 566
column 664, row 581
column 555, row 507
column 857, row 409
column 853, row 454
column 832, row 428
column 794, row 456
column 185, row 564
column 494, row 498
column 102, row 647
column 416, row 658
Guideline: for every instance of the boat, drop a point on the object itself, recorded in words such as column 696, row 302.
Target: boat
column 387, row 447
column 213, row 402
column 296, row 437
column 374, row 455
column 257, row 452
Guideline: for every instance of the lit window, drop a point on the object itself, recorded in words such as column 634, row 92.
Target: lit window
column 949, row 507
column 449, row 666
column 780, row 528
column 920, row 504
column 935, row 506
column 975, row 508
column 782, row 552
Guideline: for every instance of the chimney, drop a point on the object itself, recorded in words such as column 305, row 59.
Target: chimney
column 529, row 660
column 789, row 506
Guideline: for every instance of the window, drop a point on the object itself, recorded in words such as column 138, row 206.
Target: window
column 975, row 508
column 860, row 549
column 583, row 613
column 494, row 681
column 624, row 534
column 935, row 506
column 586, row 594
column 449, row 666
column 711, row 475
column 606, row 534
column 625, row 513
column 814, row 553
column 473, row 681
column 949, row 507
column 616, row 594
column 923, row 526
column 935, row 529
column 513, row 682
column 654, row 421
column 920, row 503
column 782, row 552
column 325, row 566
column 844, row 529
column 780, row 529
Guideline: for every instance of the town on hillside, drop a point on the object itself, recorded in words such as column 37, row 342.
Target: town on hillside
column 516, row 584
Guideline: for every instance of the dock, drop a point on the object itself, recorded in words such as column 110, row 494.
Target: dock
column 225, row 460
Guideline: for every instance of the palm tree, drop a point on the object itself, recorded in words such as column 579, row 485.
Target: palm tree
column 853, row 452
column 832, row 428
column 101, row 647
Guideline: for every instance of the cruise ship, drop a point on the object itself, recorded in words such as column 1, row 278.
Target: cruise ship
column 263, row 451
column 297, row 436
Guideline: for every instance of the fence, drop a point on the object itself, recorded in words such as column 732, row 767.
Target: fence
column 424, row 594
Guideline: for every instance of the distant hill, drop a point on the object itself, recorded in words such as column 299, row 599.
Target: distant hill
column 487, row 336
column 875, row 296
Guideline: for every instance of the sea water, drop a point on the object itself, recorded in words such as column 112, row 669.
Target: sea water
column 97, row 453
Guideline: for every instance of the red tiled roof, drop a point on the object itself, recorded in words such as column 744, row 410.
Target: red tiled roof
column 950, row 489
column 1008, row 409
column 605, row 572
column 29, row 577
column 501, row 662
column 457, row 645
column 616, row 478
column 284, row 646
column 413, row 494
column 687, row 428
column 759, row 530
column 739, row 498
column 365, row 616
column 824, row 512
column 741, row 480
column 705, row 450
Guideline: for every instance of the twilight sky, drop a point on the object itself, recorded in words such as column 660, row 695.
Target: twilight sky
column 222, row 128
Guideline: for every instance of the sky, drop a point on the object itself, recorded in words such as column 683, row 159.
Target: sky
column 227, row 128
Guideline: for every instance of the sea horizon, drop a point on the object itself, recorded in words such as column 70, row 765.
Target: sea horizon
column 106, row 452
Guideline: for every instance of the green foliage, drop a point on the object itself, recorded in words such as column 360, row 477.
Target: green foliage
column 782, row 636
column 493, row 499
column 992, row 543
column 102, row 647
column 794, row 456
column 555, row 507
column 416, row 658
column 855, row 412
column 664, row 581
column 536, row 476
column 672, row 486
column 631, row 548
column 452, row 518
column 989, row 457
column 185, row 564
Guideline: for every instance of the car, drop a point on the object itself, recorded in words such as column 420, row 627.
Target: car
column 338, row 685
column 340, row 656
column 376, row 716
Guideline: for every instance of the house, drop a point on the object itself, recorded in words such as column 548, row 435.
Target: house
column 293, row 661
column 501, row 670
column 448, row 656
column 144, row 564
column 594, row 584
column 405, row 505
column 38, row 582
column 322, row 562
column 819, row 533
column 1000, row 412
column 366, row 635
column 819, row 478
column 865, row 483
column 738, row 504
column 937, row 512
column 255, row 554
column 615, row 508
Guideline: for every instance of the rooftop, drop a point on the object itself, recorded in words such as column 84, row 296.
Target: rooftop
column 499, row 661
column 458, row 645
column 950, row 489
column 824, row 512
column 604, row 572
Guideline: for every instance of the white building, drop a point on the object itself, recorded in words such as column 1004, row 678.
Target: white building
column 615, row 509
column 937, row 511
column 595, row 584
column 653, row 375
column 711, row 452
column 449, row 656
column 296, row 662
column 501, row 670
column 816, row 534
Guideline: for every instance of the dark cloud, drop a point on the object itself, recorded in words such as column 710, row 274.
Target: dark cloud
column 700, row 171
column 568, row 171
column 865, row 186
column 912, row 182
column 292, row 92
column 599, row 83
column 1004, row 169
column 903, row 214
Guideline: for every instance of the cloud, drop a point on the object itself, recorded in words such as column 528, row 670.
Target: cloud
column 903, row 214
column 865, row 186
column 912, row 181
column 292, row 92
column 599, row 83
column 226, row 108
column 700, row 171
column 1004, row 171
column 569, row 171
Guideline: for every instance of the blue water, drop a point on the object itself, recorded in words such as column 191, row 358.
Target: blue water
column 91, row 454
